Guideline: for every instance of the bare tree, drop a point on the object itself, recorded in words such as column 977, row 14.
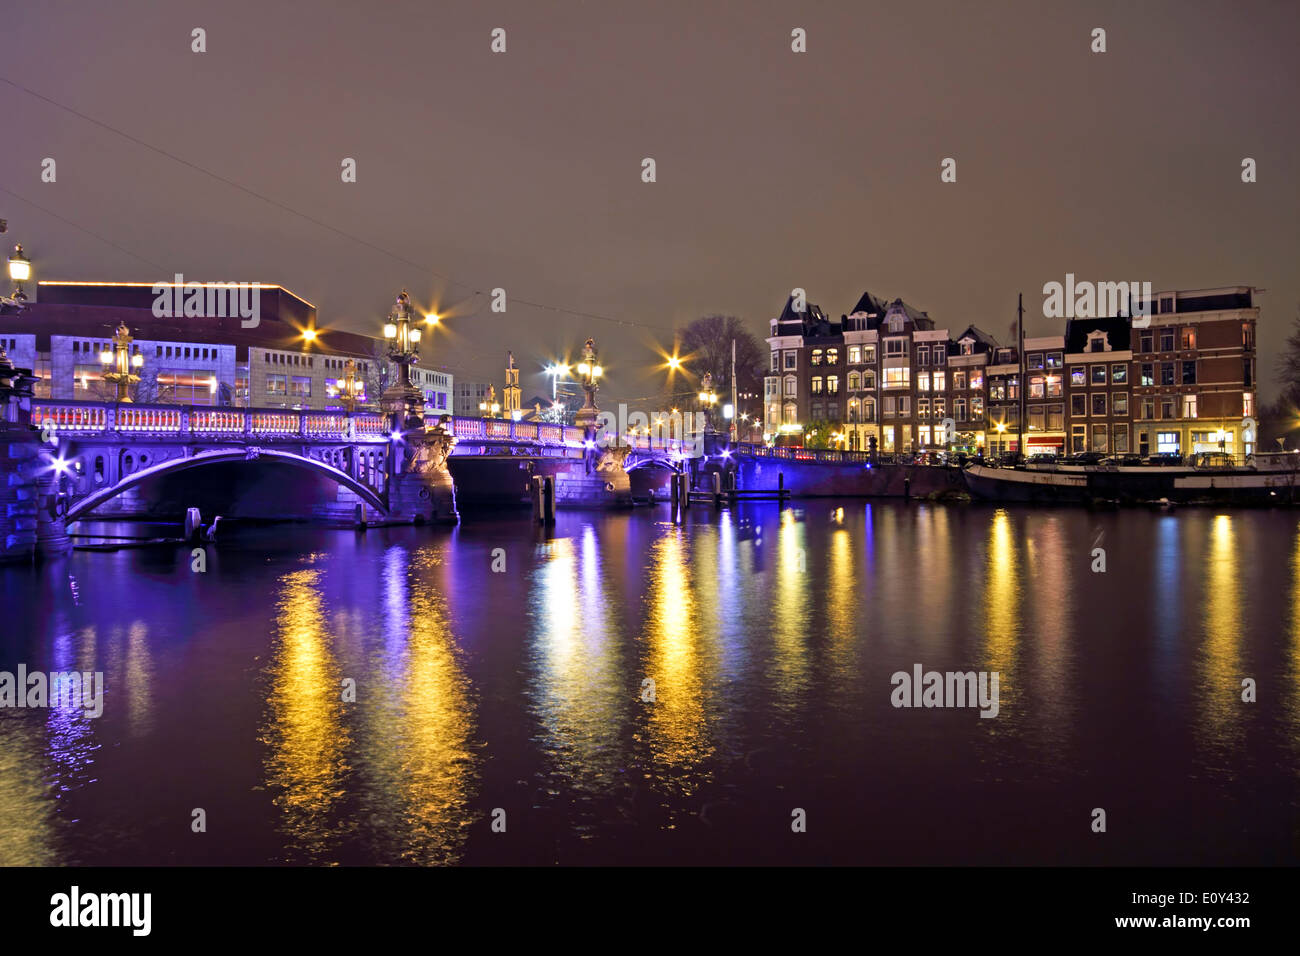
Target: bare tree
column 708, row 340
column 1287, row 364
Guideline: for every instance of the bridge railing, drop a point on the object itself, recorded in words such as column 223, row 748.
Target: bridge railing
column 74, row 417
column 505, row 429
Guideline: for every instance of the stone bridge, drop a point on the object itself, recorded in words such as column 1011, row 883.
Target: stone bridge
column 102, row 453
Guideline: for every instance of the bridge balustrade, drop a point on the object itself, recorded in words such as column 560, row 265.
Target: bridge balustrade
column 216, row 421
column 89, row 419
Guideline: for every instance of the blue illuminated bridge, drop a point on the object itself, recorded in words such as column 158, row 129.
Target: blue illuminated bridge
column 104, row 450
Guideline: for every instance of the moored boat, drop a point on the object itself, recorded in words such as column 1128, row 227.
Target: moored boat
column 1265, row 480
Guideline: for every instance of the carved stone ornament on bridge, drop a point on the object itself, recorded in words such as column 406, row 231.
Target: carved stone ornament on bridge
column 611, row 459
column 252, row 453
column 429, row 451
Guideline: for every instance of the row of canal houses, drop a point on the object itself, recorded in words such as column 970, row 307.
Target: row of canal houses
column 1180, row 379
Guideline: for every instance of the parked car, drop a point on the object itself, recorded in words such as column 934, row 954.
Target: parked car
column 1165, row 459
column 1042, row 460
column 1123, row 461
column 1084, row 458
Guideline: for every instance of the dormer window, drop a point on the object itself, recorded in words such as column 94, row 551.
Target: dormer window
column 967, row 346
column 1098, row 342
column 895, row 323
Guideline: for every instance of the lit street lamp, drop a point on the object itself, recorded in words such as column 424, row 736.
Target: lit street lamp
column 555, row 371
column 119, row 362
column 350, row 389
column 590, row 371
column 402, row 399
column 708, row 398
column 20, row 270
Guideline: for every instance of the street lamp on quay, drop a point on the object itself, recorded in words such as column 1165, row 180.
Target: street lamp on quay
column 119, row 362
column 708, row 398
column 556, row 371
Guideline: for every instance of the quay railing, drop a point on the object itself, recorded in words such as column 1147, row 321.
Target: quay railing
column 832, row 455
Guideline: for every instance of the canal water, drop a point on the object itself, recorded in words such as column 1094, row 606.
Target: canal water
column 622, row 689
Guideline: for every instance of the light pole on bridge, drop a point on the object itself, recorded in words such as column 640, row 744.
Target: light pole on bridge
column 119, row 362
column 402, row 399
column 590, row 371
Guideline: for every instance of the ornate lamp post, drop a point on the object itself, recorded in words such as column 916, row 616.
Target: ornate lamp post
column 402, row 399
column 350, row 388
column 589, row 371
column 20, row 270
column 119, row 362
column 708, row 398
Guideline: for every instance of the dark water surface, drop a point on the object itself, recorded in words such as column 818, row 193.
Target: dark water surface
column 770, row 636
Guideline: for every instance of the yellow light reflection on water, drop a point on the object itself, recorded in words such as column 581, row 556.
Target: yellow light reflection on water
column 307, row 737
column 1002, row 597
column 27, row 812
column 1221, row 652
column 678, row 732
column 842, row 610
column 433, row 738
column 790, row 616
column 1293, row 654
column 582, row 697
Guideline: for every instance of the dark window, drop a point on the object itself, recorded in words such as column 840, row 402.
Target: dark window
column 1166, row 373
column 1166, row 340
column 1189, row 373
column 1145, row 341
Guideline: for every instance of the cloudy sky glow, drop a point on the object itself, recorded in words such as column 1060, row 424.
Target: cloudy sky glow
column 775, row 169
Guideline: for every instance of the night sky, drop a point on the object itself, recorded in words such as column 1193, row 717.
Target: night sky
column 775, row 169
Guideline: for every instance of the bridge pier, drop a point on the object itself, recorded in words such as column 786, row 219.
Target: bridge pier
column 420, row 488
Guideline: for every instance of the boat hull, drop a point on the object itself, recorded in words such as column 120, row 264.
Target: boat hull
column 1084, row 485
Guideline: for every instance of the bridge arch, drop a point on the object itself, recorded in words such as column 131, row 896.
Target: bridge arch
column 82, row 507
column 639, row 462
